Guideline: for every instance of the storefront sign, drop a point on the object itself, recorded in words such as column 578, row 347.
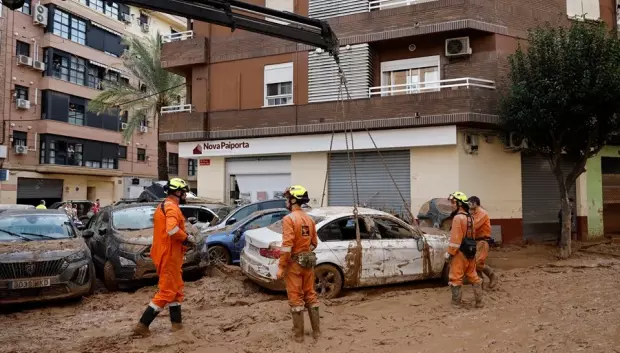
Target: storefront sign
column 384, row 139
column 205, row 162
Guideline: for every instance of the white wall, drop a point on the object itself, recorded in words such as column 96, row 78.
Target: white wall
column 211, row 179
column 434, row 173
column 309, row 170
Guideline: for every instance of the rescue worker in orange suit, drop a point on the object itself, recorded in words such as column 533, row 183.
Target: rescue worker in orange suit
column 297, row 261
column 462, row 251
column 170, row 242
column 482, row 231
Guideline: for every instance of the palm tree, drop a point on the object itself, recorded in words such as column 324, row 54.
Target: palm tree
column 159, row 88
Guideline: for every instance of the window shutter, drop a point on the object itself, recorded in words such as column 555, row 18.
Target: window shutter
column 278, row 73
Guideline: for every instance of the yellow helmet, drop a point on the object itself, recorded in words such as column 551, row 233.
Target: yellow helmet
column 298, row 192
column 176, row 184
column 459, row 196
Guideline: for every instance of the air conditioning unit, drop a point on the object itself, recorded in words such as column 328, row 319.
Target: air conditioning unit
column 124, row 126
column 144, row 129
column 457, row 47
column 144, row 27
column 19, row 149
column 515, row 141
column 38, row 65
column 24, row 60
column 23, row 104
column 126, row 17
column 40, row 15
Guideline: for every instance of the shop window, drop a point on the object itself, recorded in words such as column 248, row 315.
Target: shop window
column 76, row 114
column 278, row 84
column 192, row 165
column 26, row 9
column 410, row 76
column 173, row 163
column 141, row 154
column 69, row 26
column 21, row 92
column 20, row 138
column 22, row 48
column 122, row 152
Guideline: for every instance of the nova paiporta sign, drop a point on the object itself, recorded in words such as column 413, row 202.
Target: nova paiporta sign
column 222, row 145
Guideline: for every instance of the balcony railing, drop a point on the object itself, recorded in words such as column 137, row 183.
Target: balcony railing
column 173, row 37
column 388, row 4
column 430, row 86
column 182, row 108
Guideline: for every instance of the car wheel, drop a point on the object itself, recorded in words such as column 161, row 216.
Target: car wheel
column 109, row 277
column 327, row 281
column 219, row 255
column 445, row 274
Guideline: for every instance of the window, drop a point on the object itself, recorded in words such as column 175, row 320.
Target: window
column 278, row 84
column 141, row 154
column 409, row 76
column 590, row 9
column 112, row 76
column 273, row 204
column 69, row 68
column 265, row 220
column 76, row 114
column 69, row 27
column 245, row 211
column 96, row 5
column 191, row 167
column 96, row 75
column 112, row 11
column 20, row 138
column 22, row 48
column 61, row 67
column 144, row 19
column 205, row 216
column 343, row 230
column 108, row 163
column 61, row 150
column 173, row 163
column 77, row 71
column 93, row 164
column 133, row 218
column 74, row 153
column 122, row 152
column 63, row 153
column 21, row 92
column 26, row 8
column 389, row 229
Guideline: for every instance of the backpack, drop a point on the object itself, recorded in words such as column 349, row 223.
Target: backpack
column 468, row 244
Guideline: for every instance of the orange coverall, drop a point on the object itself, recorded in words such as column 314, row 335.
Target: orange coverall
column 482, row 230
column 167, row 253
column 299, row 235
column 460, row 266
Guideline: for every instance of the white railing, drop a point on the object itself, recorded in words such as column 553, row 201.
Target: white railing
column 430, row 86
column 173, row 37
column 182, row 108
column 387, row 4
column 280, row 99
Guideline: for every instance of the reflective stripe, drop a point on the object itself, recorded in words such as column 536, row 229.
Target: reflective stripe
column 292, row 217
column 152, row 305
column 174, row 304
column 286, row 249
column 174, row 230
column 297, row 309
column 455, row 245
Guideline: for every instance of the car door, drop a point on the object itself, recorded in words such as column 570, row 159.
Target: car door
column 204, row 216
column 403, row 261
column 258, row 222
column 340, row 239
column 100, row 240
column 242, row 213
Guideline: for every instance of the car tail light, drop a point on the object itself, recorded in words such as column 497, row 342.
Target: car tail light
column 272, row 252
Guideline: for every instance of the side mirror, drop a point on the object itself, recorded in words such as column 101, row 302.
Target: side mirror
column 192, row 220
column 103, row 230
column 88, row 233
column 420, row 243
column 231, row 220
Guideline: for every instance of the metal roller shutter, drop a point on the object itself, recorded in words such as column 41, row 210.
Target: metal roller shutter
column 376, row 189
column 30, row 188
column 541, row 198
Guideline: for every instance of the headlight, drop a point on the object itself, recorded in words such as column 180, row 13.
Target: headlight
column 80, row 255
column 132, row 248
column 126, row 262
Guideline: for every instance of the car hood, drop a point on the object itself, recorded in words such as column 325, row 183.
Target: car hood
column 210, row 229
column 34, row 250
column 436, row 235
column 139, row 237
column 262, row 237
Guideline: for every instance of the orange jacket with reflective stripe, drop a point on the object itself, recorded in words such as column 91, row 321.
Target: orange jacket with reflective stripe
column 298, row 235
column 482, row 223
column 168, row 235
column 460, row 229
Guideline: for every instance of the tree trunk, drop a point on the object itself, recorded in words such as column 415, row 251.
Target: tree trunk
column 565, row 240
column 162, row 152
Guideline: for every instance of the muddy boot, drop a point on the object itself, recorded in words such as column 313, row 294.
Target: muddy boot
column 478, row 295
column 479, row 272
column 313, row 313
column 142, row 328
column 492, row 276
column 457, row 295
column 298, row 324
column 176, row 319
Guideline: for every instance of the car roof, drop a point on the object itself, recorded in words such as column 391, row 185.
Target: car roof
column 33, row 212
column 333, row 212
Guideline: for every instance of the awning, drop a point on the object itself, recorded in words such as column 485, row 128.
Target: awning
column 115, row 70
column 103, row 66
column 105, row 28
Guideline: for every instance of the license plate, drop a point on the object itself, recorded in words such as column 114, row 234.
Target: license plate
column 31, row 283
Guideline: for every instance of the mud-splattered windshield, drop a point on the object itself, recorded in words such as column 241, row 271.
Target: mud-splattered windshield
column 134, row 218
column 277, row 226
column 35, row 227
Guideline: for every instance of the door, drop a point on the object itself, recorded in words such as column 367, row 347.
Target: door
column 339, row 237
column 375, row 186
column 90, row 193
column 402, row 260
column 32, row 191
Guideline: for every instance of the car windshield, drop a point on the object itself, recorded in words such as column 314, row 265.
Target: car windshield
column 35, row 227
column 277, row 226
column 221, row 212
column 133, row 218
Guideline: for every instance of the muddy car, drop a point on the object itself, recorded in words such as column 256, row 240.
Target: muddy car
column 390, row 251
column 120, row 239
column 42, row 257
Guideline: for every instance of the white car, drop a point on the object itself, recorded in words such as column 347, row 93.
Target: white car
column 391, row 251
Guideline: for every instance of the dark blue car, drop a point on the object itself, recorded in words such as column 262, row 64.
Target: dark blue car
column 225, row 245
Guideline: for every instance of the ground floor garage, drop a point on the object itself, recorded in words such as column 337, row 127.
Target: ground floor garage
column 252, row 179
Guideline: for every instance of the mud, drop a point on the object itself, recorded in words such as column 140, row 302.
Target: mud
column 541, row 305
column 41, row 246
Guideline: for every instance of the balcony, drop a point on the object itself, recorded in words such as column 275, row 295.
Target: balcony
column 430, row 86
column 182, row 50
column 390, row 4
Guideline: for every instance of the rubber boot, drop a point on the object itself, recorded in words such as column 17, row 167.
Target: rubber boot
column 313, row 313
column 176, row 318
column 142, row 328
column 479, row 272
column 492, row 276
column 298, row 324
column 478, row 295
column 457, row 295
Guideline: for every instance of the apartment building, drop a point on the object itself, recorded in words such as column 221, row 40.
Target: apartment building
column 422, row 77
column 54, row 57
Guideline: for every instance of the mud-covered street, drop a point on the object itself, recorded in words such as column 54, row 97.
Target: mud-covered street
column 541, row 305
